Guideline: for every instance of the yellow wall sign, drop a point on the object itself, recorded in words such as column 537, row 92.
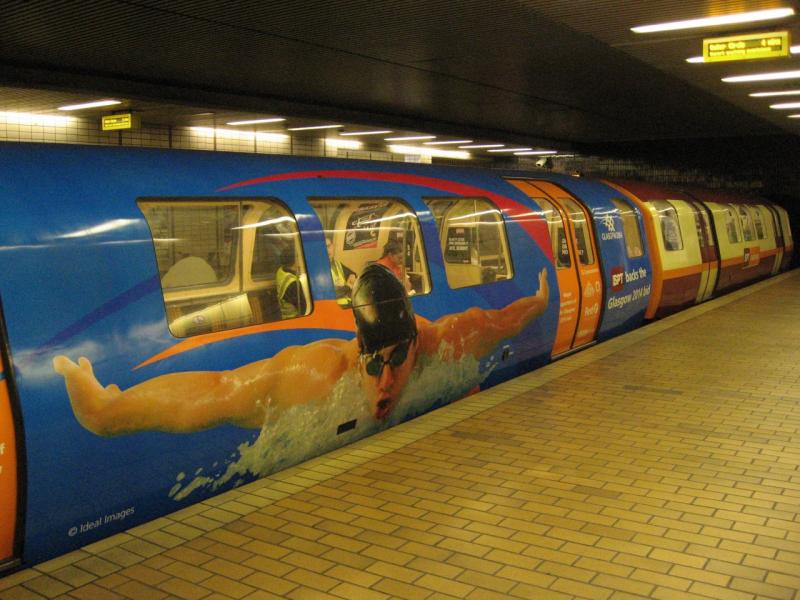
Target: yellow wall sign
column 120, row 121
column 746, row 47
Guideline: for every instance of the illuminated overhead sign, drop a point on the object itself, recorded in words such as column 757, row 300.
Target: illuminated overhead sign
column 746, row 47
column 120, row 121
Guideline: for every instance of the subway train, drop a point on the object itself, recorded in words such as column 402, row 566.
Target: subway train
column 178, row 323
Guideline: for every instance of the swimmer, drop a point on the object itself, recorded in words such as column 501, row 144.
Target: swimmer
column 388, row 346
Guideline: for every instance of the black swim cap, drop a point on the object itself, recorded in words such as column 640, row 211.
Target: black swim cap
column 383, row 312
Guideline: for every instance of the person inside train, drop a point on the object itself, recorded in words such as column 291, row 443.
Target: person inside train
column 343, row 278
column 392, row 259
column 390, row 345
column 291, row 298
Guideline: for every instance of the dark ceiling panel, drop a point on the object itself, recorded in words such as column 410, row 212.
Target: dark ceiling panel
column 554, row 70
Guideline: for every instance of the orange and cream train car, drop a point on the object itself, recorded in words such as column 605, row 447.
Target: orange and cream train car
column 706, row 242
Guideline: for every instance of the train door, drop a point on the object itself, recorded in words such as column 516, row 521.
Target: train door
column 577, row 268
column 709, row 255
column 779, row 242
column 9, row 469
column 567, row 274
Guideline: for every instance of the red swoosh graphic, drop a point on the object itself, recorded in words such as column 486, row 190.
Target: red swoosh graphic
column 535, row 227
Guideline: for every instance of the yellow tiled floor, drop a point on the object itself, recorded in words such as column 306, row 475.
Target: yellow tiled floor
column 663, row 464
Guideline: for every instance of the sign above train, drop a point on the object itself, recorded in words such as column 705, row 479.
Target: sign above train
column 120, row 121
column 773, row 44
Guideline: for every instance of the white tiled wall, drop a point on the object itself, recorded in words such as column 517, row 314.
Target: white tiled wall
column 87, row 131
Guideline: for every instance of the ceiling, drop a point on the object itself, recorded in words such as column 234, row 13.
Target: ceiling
column 564, row 73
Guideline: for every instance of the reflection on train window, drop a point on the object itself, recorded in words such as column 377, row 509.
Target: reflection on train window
column 473, row 239
column 360, row 231
column 730, row 225
column 757, row 222
column 670, row 227
column 747, row 224
column 558, row 235
column 630, row 228
column 582, row 235
column 226, row 264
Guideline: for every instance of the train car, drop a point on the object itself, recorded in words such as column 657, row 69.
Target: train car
column 706, row 243
column 175, row 324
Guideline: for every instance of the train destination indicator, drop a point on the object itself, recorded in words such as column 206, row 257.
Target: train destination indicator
column 746, row 47
column 120, row 121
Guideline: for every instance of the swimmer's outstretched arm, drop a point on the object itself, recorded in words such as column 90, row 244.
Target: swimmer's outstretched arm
column 192, row 401
column 478, row 331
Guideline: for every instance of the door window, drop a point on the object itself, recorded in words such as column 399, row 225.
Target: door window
column 582, row 235
column 558, row 234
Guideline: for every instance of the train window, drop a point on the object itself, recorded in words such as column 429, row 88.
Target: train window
column 670, row 227
column 473, row 238
column 582, row 236
column 730, row 225
column 359, row 231
column 630, row 228
column 757, row 221
column 226, row 264
column 558, row 235
column 747, row 224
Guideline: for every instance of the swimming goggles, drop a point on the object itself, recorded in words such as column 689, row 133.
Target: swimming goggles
column 374, row 363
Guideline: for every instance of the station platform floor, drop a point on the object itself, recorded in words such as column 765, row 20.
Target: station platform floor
column 661, row 464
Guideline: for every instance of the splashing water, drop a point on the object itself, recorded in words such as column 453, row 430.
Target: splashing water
column 297, row 433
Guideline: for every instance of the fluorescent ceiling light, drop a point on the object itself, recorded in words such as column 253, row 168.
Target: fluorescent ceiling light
column 240, row 135
column 96, row 104
column 373, row 132
column 429, row 152
column 794, row 116
column 410, row 138
column 536, row 153
column 24, row 118
column 314, row 127
column 785, row 105
column 346, row 144
column 446, row 143
column 476, row 146
column 746, row 17
column 763, row 77
column 510, row 150
column 256, row 121
column 700, row 59
column 770, row 94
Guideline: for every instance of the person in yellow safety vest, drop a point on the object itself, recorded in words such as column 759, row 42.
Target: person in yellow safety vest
column 291, row 298
column 343, row 278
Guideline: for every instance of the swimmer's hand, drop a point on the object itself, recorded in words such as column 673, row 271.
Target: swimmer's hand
column 87, row 396
column 544, row 290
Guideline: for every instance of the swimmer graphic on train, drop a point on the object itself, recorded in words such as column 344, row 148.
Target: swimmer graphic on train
column 390, row 346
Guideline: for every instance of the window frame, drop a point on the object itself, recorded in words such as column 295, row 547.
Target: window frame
column 665, row 206
column 419, row 242
column 503, row 242
column 240, row 285
column 619, row 204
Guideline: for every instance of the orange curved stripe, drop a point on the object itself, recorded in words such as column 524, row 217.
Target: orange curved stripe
column 327, row 314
